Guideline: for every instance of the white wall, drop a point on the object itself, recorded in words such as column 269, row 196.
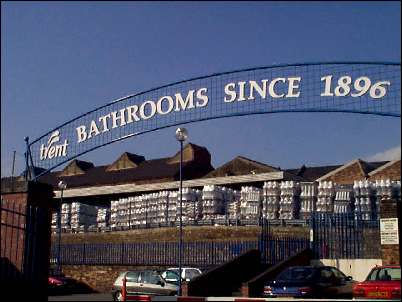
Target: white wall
column 357, row 268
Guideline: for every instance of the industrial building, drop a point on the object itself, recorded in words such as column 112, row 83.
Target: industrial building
column 134, row 192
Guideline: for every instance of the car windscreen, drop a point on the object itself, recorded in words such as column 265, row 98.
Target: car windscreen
column 296, row 274
column 385, row 274
column 191, row 273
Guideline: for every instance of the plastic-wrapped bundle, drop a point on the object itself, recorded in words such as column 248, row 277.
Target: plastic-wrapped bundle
column 289, row 205
column 54, row 222
column 65, row 215
column 270, row 204
column 326, row 196
column 163, row 203
column 172, row 206
column 82, row 216
column 213, row 202
column 308, row 199
column 250, row 203
column 103, row 217
column 344, row 200
column 114, row 216
column 233, row 211
column 365, row 200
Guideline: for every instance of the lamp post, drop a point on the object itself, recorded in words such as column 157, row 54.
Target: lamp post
column 62, row 186
column 181, row 136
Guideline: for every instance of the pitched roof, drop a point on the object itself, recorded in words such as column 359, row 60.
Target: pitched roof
column 145, row 171
column 312, row 173
column 384, row 166
column 365, row 167
column 241, row 165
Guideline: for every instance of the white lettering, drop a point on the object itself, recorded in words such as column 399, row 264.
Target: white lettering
column 103, row 119
column 188, row 104
column 115, row 117
column 241, row 91
column 132, row 114
column 293, row 86
column 202, row 97
column 93, row 128
column 261, row 91
column 81, row 133
column 152, row 108
column 271, row 88
column 230, row 93
column 159, row 105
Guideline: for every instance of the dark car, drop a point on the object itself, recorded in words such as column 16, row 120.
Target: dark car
column 310, row 282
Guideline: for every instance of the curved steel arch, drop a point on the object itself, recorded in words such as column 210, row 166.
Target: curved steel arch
column 307, row 87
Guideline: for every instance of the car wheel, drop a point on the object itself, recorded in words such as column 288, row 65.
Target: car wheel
column 118, row 296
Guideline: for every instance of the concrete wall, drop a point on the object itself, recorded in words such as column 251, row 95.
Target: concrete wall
column 357, row 268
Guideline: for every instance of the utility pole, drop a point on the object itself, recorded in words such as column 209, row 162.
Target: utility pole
column 12, row 170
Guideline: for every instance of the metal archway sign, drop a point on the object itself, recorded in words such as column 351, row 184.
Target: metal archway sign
column 365, row 88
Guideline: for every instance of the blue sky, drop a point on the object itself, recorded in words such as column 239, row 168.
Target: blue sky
column 59, row 60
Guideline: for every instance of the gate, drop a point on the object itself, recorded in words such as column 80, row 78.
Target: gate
column 25, row 238
column 276, row 249
column 340, row 236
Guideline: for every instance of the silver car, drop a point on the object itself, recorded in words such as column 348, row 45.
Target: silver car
column 145, row 282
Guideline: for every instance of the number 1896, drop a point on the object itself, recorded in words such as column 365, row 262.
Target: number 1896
column 361, row 85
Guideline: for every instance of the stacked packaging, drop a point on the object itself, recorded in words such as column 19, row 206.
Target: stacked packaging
column 344, row 200
column 82, row 216
column 103, row 217
column 172, row 206
column 136, row 209
column 386, row 189
column 272, row 196
column 65, row 216
column 233, row 205
column 163, row 204
column 54, row 225
column 213, row 203
column 250, row 203
column 308, row 199
column 289, row 205
column 326, row 195
column 190, row 205
column 365, row 201
column 114, row 213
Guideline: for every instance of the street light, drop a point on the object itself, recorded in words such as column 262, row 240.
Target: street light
column 62, row 186
column 181, row 136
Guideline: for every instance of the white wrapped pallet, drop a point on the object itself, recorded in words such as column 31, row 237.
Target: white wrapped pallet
column 326, row 196
column 289, row 205
column 250, row 203
column 234, row 206
column 213, row 202
column 365, row 206
column 308, row 199
column 271, row 200
column 344, row 200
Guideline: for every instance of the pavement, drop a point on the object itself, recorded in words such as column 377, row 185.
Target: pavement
column 82, row 297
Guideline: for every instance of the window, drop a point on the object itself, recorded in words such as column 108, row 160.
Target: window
column 338, row 274
column 132, row 276
column 149, row 277
column 326, row 275
column 389, row 274
column 192, row 273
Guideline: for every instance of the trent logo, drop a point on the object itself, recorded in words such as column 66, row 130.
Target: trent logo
column 52, row 150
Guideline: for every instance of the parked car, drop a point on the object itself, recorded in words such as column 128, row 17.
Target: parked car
column 187, row 273
column 383, row 282
column 59, row 283
column 310, row 282
column 145, row 282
